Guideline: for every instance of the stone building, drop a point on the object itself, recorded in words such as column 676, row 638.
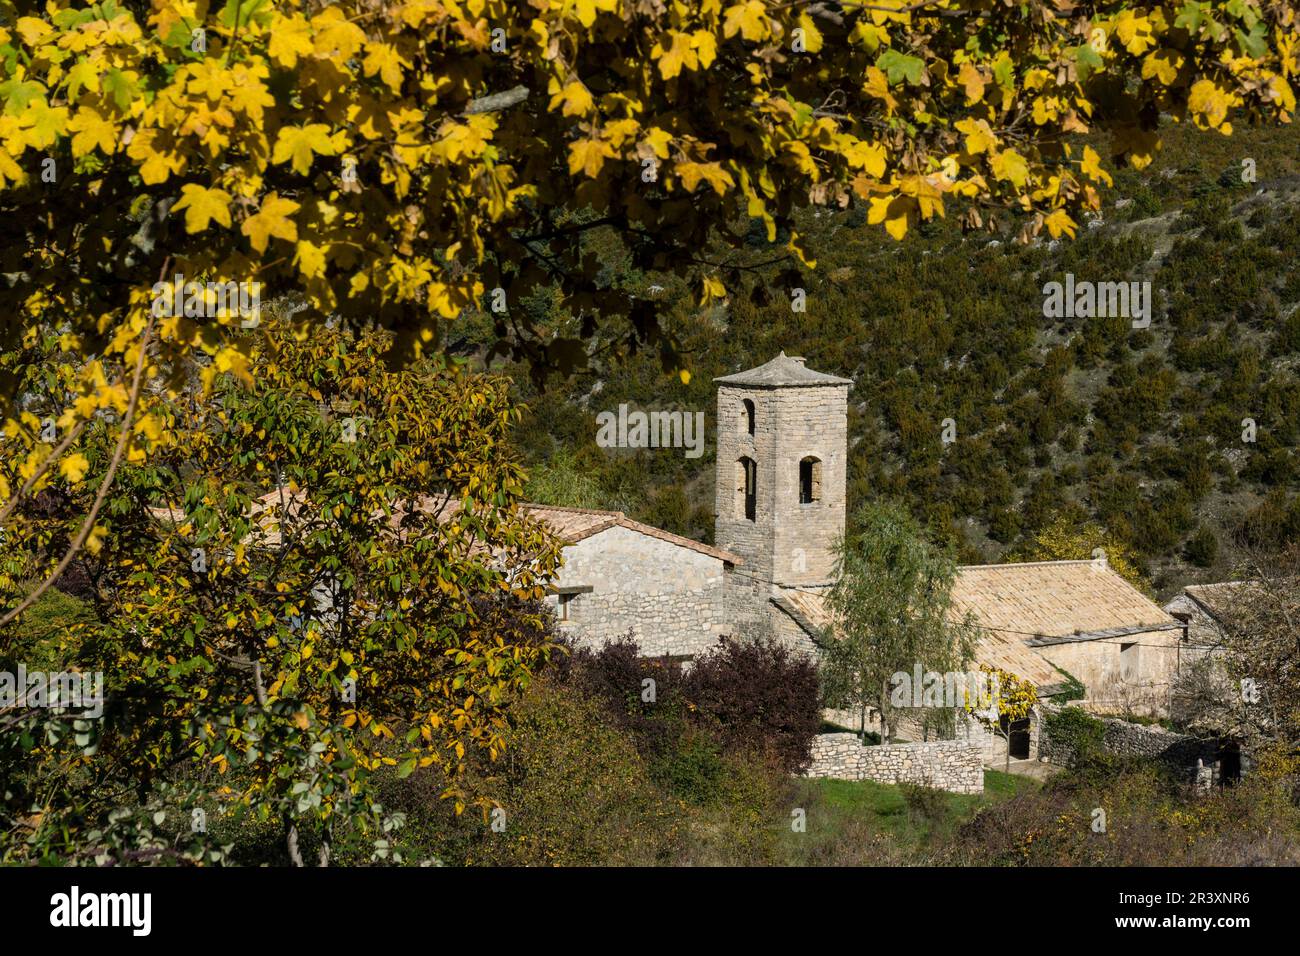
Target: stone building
column 1202, row 609
column 1204, row 698
column 782, row 449
column 1086, row 620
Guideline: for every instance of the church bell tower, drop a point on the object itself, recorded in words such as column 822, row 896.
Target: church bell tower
column 782, row 456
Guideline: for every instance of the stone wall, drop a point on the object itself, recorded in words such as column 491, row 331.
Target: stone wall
column 1122, row 738
column 950, row 765
column 670, row 598
column 1126, row 674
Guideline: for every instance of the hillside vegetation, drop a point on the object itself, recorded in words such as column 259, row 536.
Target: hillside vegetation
column 1058, row 421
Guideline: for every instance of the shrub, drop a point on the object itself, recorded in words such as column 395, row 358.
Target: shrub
column 1202, row 548
column 744, row 818
column 49, row 635
column 642, row 695
column 1151, row 820
column 758, row 695
column 693, row 769
column 1076, row 736
column 574, row 790
column 925, row 805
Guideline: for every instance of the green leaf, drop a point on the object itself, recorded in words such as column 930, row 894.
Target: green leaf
column 18, row 93
column 121, row 86
column 1086, row 60
column 900, row 66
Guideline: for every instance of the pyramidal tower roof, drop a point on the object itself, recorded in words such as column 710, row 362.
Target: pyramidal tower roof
column 784, row 371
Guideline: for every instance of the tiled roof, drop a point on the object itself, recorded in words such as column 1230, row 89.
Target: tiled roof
column 1217, row 599
column 574, row 524
column 1055, row 599
column 782, row 371
column 1018, row 605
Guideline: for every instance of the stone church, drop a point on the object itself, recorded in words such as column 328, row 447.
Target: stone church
column 782, row 445
column 782, row 449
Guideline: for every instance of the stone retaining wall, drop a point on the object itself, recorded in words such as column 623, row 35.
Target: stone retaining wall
column 1124, row 739
column 951, row 765
column 1195, row 758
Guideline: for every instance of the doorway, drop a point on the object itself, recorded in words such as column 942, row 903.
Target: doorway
column 1229, row 764
column 1017, row 737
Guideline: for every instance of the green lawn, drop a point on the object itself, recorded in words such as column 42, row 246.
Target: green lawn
column 900, row 822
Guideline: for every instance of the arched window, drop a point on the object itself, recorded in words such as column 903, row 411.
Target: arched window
column 746, row 488
column 810, row 480
column 747, row 409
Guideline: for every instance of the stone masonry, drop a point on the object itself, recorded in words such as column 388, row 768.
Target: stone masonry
column 951, row 765
column 770, row 420
column 1196, row 757
column 671, row 600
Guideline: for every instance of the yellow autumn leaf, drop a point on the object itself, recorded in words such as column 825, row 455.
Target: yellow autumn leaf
column 1163, row 65
column 980, row 137
column 705, row 45
column 972, row 82
column 382, row 58
column 90, row 130
column 575, row 98
column 202, row 205
column 588, row 156
column 1211, row 102
column 712, row 173
column 812, row 37
column 679, row 53
column 868, row 157
column 271, row 220
column 288, row 39
column 587, row 9
column 711, row 288
column 658, row 139
column 74, row 467
column 300, row 142
column 1134, row 32
column 310, row 259
column 749, row 19
column 1059, row 222
column 1091, row 167
column 893, row 211
column 1011, row 166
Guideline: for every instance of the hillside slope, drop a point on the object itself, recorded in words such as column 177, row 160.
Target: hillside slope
column 1140, row 430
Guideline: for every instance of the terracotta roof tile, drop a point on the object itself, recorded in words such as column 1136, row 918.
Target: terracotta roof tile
column 574, row 524
column 1218, row 599
column 571, row 525
column 1054, row 599
column 1014, row 602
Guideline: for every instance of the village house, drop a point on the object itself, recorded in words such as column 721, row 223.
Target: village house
column 782, row 449
column 1202, row 610
column 1207, row 692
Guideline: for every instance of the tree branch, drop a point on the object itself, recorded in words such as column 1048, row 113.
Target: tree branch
column 495, row 102
column 123, row 440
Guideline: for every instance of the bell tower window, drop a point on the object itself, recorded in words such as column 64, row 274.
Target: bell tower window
column 746, row 488
column 747, row 410
column 810, row 481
